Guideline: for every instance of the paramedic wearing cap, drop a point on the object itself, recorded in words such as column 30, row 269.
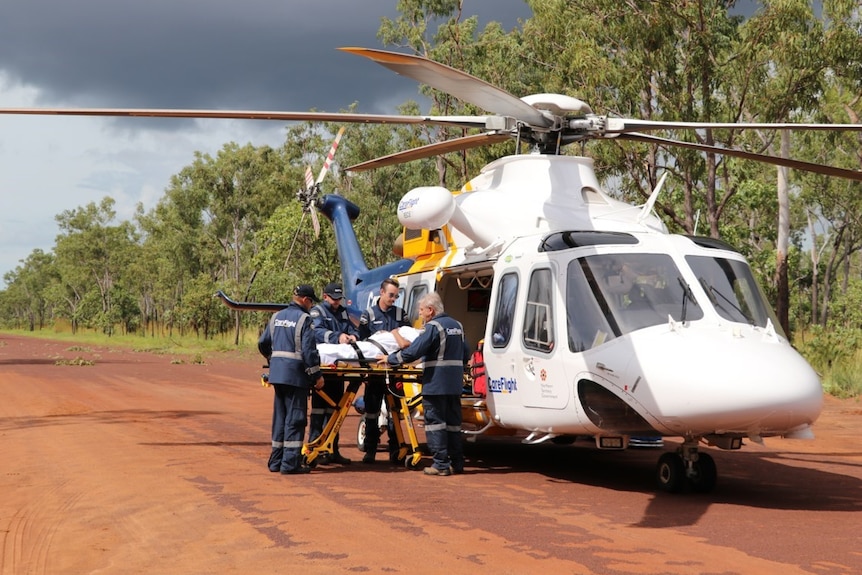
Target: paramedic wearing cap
column 331, row 325
column 445, row 351
column 294, row 366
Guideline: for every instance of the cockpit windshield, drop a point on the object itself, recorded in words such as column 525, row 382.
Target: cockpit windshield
column 732, row 290
column 613, row 294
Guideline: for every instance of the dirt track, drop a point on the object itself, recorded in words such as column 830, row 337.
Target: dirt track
column 139, row 465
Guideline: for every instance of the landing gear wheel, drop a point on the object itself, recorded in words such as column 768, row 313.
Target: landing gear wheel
column 704, row 474
column 412, row 462
column 360, row 435
column 670, row 473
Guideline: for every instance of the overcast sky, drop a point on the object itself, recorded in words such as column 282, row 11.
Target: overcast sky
column 254, row 54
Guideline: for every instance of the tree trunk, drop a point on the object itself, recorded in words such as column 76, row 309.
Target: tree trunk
column 782, row 306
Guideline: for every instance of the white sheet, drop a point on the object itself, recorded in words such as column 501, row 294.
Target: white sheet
column 331, row 352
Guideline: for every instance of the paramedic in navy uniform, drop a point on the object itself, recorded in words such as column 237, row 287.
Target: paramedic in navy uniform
column 331, row 325
column 294, row 366
column 445, row 351
column 382, row 316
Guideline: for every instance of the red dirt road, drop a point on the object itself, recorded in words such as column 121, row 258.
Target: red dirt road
column 140, row 465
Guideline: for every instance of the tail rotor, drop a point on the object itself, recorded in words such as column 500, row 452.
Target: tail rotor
column 309, row 195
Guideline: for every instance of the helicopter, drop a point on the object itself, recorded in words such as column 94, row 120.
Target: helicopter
column 595, row 320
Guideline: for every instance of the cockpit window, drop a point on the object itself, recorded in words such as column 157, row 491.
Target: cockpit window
column 731, row 289
column 613, row 294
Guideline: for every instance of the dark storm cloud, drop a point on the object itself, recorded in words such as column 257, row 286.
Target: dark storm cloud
column 226, row 54
column 254, row 54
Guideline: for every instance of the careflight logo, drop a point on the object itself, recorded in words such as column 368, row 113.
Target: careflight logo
column 405, row 207
column 503, row 385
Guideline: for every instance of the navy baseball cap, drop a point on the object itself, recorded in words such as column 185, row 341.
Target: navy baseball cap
column 334, row 291
column 305, row 290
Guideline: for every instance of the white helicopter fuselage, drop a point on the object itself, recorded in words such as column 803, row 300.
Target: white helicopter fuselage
column 599, row 321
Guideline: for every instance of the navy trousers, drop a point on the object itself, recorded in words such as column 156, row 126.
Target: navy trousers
column 289, row 411
column 375, row 391
column 443, row 430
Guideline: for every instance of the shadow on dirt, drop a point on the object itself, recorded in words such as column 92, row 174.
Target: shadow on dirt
column 91, row 417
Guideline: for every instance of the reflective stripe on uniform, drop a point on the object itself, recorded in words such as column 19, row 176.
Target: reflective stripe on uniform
column 445, row 363
column 436, row 427
column 277, row 444
column 441, row 335
column 292, row 444
column 455, row 428
column 287, row 354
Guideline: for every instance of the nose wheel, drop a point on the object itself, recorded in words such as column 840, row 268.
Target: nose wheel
column 686, row 468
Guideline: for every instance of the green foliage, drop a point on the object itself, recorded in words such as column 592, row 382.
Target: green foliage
column 824, row 348
column 845, row 379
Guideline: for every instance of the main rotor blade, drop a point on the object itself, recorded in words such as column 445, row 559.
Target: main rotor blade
column 787, row 162
column 624, row 125
column 456, row 83
column 454, row 145
column 455, row 121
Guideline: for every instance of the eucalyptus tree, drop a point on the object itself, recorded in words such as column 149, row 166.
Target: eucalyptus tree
column 646, row 60
column 209, row 219
column 174, row 246
column 26, row 295
column 92, row 253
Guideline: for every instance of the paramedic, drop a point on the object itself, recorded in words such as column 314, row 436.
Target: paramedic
column 331, row 325
column 445, row 351
column 382, row 316
column 294, row 366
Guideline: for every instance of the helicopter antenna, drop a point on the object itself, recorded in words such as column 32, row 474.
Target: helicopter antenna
column 645, row 212
column 293, row 242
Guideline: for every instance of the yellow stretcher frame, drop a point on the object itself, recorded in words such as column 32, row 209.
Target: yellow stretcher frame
column 400, row 407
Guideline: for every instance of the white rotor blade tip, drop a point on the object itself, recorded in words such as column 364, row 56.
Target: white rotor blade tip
column 330, row 155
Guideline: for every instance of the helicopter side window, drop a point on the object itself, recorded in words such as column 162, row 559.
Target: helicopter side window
column 417, row 293
column 538, row 316
column 504, row 310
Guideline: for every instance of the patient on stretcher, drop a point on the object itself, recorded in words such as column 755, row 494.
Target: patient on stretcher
column 378, row 343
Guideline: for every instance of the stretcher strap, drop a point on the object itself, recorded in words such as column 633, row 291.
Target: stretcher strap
column 379, row 346
column 359, row 356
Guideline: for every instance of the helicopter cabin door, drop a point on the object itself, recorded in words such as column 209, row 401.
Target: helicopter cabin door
column 520, row 360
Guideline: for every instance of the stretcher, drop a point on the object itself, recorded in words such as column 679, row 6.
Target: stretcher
column 401, row 405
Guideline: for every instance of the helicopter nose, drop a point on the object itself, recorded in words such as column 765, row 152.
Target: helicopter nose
column 742, row 381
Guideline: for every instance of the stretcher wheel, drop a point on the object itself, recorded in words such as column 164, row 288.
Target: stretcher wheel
column 360, row 435
column 312, row 464
column 412, row 462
